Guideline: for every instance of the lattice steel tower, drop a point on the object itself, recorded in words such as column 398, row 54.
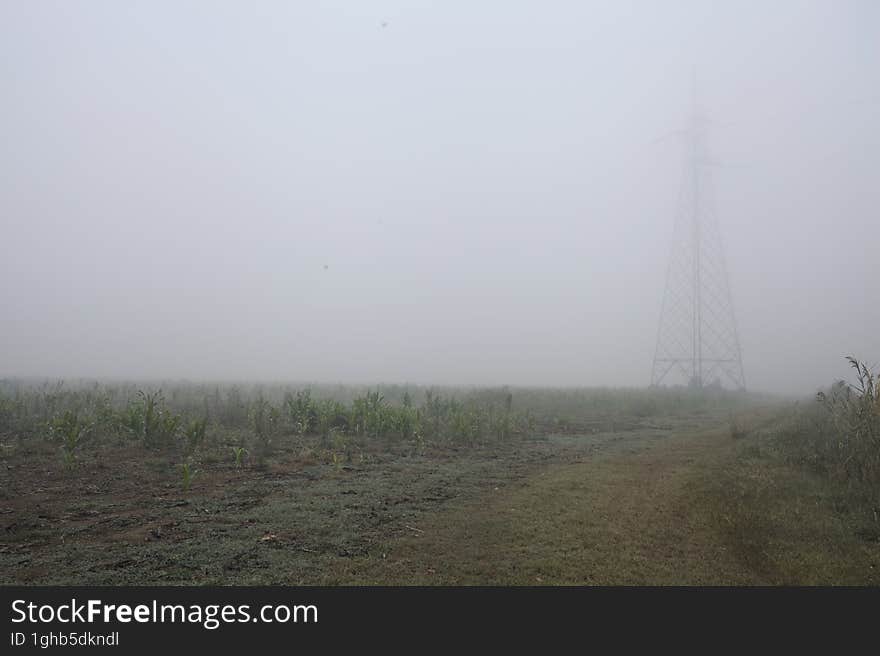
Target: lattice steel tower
column 697, row 341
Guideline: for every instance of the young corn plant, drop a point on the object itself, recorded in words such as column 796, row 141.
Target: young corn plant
column 433, row 411
column 406, row 422
column 264, row 420
column 418, row 446
column 130, row 420
column 104, row 416
column 234, row 410
column 302, row 412
column 370, row 415
column 187, row 474
column 194, row 434
column 330, row 417
column 239, row 452
column 7, row 415
column 169, row 424
column 70, row 430
column 466, row 424
column 150, row 416
column 342, row 447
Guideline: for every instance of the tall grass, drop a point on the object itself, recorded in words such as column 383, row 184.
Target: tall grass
column 839, row 434
column 853, row 415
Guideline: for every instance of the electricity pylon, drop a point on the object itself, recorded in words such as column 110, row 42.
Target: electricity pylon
column 697, row 341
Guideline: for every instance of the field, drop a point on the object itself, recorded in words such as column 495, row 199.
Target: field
column 203, row 484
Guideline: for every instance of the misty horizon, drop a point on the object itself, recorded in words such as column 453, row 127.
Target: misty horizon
column 457, row 195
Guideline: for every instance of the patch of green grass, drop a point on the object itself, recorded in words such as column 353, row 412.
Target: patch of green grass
column 789, row 525
column 621, row 516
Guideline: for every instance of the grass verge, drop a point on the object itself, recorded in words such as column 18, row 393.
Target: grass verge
column 786, row 524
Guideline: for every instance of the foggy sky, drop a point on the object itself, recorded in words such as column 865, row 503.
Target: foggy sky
column 477, row 192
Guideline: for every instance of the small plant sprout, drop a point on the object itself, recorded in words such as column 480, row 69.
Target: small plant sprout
column 239, row 452
column 187, row 475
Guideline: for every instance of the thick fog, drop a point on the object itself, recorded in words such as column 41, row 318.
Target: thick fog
column 434, row 192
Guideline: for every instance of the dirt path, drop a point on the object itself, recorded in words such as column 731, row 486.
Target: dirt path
column 622, row 516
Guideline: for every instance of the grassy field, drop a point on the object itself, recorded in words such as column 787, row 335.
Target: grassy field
column 402, row 485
